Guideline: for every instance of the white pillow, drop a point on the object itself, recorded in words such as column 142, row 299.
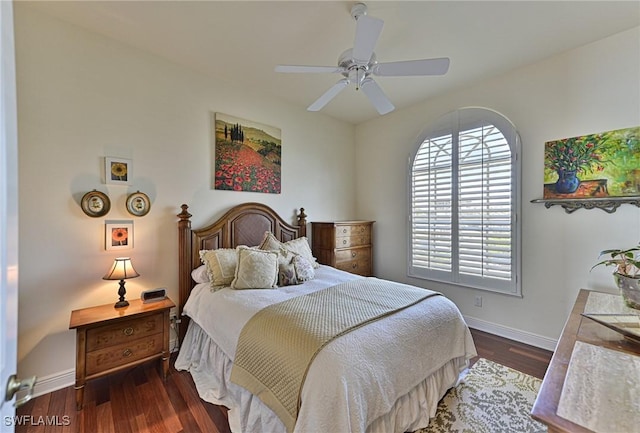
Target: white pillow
column 200, row 274
column 221, row 265
column 270, row 242
column 257, row 269
column 299, row 246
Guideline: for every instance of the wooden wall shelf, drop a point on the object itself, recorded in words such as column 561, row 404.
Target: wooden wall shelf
column 609, row 204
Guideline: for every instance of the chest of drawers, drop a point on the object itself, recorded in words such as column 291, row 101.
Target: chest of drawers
column 111, row 339
column 345, row 245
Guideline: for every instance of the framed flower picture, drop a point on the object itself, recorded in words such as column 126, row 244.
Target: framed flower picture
column 118, row 171
column 118, row 235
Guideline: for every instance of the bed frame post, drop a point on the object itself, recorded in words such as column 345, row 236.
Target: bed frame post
column 302, row 222
column 185, row 266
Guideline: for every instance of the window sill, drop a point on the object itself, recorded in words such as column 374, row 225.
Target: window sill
column 439, row 284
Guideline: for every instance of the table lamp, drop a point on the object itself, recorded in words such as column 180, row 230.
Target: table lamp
column 122, row 269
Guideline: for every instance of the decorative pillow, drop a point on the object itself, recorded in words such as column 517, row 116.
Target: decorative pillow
column 221, row 265
column 270, row 242
column 298, row 246
column 200, row 274
column 304, row 269
column 301, row 247
column 257, row 269
column 284, row 255
column 287, row 275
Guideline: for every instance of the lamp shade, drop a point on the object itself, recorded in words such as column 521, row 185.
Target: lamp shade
column 122, row 269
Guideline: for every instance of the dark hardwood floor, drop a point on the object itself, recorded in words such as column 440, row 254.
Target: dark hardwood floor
column 519, row 356
column 139, row 401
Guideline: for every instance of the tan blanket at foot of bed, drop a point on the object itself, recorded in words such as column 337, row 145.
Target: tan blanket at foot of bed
column 278, row 344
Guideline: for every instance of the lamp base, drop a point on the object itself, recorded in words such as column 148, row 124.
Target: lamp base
column 122, row 291
column 121, row 304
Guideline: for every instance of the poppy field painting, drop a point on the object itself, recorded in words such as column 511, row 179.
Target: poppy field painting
column 246, row 155
column 606, row 164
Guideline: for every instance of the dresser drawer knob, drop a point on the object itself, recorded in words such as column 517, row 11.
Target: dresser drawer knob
column 353, row 254
column 354, row 266
column 128, row 331
column 344, row 230
column 127, row 353
column 344, row 242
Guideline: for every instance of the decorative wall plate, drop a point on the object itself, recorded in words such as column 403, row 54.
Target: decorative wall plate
column 138, row 204
column 95, row 204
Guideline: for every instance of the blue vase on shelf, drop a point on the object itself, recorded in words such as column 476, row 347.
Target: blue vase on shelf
column 568, row 181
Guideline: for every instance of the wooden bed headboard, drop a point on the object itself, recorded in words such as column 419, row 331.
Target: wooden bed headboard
column 243, row 224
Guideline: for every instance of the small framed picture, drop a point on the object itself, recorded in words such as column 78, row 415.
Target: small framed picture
column 118, row 235
column 118, row 171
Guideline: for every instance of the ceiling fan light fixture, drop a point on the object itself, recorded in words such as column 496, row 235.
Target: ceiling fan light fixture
column 359, row 63
column 357, row 10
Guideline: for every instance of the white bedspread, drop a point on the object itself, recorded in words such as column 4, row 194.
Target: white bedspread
column 373, row 379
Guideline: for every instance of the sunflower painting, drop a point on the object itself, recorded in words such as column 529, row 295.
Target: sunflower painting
column 118, row 235
column 246, row 155
column 118, row 171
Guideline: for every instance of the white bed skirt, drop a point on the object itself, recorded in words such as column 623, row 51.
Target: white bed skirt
column 210, row 369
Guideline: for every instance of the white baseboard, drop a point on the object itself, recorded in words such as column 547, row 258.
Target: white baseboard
column 54, row 382
column 63, row 379
column 511, row 333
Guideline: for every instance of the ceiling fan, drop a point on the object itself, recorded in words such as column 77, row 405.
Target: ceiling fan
column 358, row 64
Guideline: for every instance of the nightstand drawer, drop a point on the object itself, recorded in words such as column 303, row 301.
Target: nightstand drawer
column 352, row 241
column 360, row 267
column 123, row 331
column 352, row 254
column 352, row 230
column 122, row 354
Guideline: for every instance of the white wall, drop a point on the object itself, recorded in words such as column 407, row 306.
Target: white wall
column 592, row 89
column 82, row 97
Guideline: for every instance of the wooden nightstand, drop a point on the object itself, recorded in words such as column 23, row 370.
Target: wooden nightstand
column 111, row 339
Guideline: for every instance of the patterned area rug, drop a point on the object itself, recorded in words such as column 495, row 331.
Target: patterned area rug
column 491, row 398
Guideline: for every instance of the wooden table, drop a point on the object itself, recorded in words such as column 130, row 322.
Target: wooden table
column 577, row 328
column 111, row 339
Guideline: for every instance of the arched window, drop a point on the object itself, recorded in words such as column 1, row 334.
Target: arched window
column 464, row 202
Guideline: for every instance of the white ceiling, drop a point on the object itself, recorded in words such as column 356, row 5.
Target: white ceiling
column 241, row 42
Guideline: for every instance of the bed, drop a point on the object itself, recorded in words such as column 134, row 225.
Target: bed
column 385, row 375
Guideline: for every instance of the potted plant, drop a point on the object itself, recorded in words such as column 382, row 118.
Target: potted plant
column 626, row 274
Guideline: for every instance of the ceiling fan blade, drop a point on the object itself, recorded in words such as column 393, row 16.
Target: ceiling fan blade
column 307, row 69
column 368, row 31
column 376, row 96
column 328, row 95
column 438, row 66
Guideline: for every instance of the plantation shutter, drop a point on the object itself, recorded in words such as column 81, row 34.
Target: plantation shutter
column 432, row 210
column 463, row 207
column 484, row 204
